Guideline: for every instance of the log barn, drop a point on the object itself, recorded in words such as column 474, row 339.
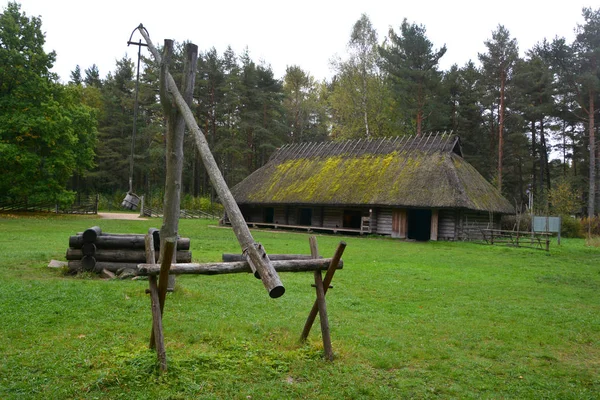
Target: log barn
column 407, row 187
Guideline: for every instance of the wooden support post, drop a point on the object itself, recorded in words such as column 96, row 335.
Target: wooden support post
column 255, row 255
column 327, row 281
column 156, row 338
column 321, row 304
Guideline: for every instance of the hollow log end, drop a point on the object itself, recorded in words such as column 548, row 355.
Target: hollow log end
column 276, row 292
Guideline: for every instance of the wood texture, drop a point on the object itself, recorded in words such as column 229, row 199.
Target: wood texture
column 90, row 234
column 124, row 241
column 239, row 267
column 335, row 260
column 123, row 256
column 321, row 304
column 249, row 247
column 229, row 257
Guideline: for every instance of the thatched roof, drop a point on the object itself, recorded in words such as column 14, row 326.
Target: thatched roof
column 426, row 171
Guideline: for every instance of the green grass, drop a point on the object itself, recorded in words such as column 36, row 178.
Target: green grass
column 408, row 320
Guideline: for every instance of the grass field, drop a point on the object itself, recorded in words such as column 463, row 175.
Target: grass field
column 408, row 320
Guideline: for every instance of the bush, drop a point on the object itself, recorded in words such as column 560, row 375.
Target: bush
column 591, row 225
column 509, row 222
column 571, row 228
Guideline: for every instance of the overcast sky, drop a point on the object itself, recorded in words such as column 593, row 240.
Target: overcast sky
column 307, row 33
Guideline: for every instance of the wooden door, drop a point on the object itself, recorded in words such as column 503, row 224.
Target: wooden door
column 399, row 223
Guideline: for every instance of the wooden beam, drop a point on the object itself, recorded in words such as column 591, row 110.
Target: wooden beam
column 335, row 260
column 256, row 256
column 228, row 257
column 239, row 267
column 321, row 304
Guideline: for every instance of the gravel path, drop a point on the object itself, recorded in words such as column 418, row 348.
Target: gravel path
column 130, row 216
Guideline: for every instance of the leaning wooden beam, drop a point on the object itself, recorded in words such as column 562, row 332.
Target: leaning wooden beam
column 326, row 282
column 254, row 253
column 239, row 267
column 322, row 305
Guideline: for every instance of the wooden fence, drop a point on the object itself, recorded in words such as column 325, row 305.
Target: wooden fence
column 89, row 205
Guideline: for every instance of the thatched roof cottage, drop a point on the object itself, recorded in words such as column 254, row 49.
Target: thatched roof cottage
column 407, row 187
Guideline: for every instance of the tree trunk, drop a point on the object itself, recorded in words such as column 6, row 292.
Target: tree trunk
column 533, row 156
column 592, row 144
column 501, row 128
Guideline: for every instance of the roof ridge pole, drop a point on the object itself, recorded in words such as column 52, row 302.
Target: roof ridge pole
column 354, row 148
column 322, row 145
column 278, row 153
column 406, row 143
column 381, row 141
column 344, row 146
column 447, row 140
column 427, row 141
column 299, row 150
column 308, row 149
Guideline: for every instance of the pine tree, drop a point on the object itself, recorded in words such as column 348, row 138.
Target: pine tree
column 498, row 64
column 410, row 59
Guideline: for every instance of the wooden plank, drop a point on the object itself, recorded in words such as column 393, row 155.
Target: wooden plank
column 434, row 225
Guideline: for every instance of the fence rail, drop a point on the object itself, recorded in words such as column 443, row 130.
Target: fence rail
column 89, row 206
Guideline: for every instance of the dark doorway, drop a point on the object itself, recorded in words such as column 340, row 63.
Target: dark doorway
column 269, row 215
column 352, row 219
column 419, row 224
column 305, row 216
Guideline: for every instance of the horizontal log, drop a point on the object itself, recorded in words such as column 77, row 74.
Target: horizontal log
column 76, row 266
column 124, row 255
column 122, row 241
column 238, row 267
column 230, row 257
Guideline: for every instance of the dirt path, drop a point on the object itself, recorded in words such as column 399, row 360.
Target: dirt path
column 129, row 216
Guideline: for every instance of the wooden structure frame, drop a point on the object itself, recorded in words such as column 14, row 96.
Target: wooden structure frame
column 286, row 263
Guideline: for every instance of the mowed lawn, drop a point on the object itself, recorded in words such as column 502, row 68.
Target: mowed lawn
column 408, row 320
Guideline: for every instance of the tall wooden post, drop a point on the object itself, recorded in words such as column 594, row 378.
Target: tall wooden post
column 254, row 253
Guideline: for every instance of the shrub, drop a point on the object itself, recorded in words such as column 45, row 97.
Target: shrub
column 509, row 222
column 571, row 228
column 591, row 225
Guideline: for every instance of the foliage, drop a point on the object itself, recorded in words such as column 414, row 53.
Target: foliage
column 46, row 133
column 571, row 228
column 564, row 199
column 409, row 58
column 591, row 226
column 408, row 320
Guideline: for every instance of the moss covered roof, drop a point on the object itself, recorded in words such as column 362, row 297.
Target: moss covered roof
column 425, row 171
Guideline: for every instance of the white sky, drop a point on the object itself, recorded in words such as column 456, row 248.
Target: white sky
column 307, row 33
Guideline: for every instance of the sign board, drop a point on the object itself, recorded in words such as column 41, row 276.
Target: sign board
column 547, row 224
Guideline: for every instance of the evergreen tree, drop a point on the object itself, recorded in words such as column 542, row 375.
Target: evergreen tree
column 92, row 76
column 410, row 59
column 76, row 78
column 498, row 64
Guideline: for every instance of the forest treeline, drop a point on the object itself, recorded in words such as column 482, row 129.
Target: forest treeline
column 526, row 123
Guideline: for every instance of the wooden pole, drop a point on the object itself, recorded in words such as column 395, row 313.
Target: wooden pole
column 156, row 338
column 124, row 241
column 326, row 282
column 228, row 257
column 321, row 304
column 256, row 256
column 238, row 267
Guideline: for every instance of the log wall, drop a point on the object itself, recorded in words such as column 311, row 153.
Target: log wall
column 447, row 224
column 384, row 221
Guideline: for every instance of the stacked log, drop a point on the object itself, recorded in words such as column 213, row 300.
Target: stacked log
column 94, row 251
